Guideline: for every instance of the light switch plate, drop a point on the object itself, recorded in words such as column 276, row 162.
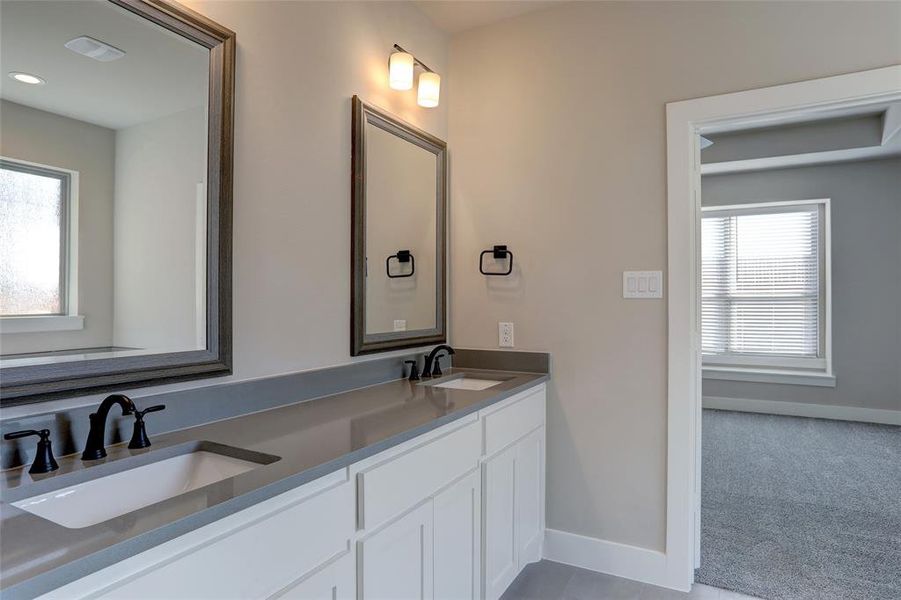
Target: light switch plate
column 400, row 324
column 505, row 335
column 642, row 284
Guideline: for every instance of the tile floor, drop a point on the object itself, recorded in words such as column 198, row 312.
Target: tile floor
column 548, row 580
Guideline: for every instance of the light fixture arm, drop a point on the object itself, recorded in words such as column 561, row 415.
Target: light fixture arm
column 415, row 60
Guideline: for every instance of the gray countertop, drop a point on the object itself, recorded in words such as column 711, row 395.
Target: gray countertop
column 311, row 438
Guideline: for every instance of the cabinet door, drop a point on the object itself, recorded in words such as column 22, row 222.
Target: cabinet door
column 395, row 563
column 458, row 540
column 529, row 478
column 499, row 522
column 333, row 582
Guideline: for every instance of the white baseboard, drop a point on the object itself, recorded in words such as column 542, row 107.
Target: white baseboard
column 621, row 560
column 803, row 409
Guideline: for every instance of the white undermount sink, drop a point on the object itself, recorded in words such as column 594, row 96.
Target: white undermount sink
column 468, row 383
column 104, row 498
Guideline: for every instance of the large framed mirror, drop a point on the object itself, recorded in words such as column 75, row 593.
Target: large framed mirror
column 115, row 196
column 398, row 237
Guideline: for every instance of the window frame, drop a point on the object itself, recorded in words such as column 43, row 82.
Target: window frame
column 775, row 369
column 67, row 318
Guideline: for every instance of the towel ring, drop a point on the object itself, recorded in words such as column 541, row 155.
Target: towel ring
column 402, row 256
column 499, row 253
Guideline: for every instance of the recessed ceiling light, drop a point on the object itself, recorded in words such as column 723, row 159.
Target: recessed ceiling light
column 88, row 46
column 27, row 78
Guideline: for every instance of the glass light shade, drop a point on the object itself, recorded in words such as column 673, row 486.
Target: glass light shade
column 429, row 90
column 400, row 71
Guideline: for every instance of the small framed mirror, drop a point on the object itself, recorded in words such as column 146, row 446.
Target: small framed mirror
column 398, row 237
column 115, row 196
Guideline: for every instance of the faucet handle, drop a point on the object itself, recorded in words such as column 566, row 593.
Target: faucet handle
column 139, row 414
column 43, row 459
column 436, row 370
column 414, row 369
column 139, row 437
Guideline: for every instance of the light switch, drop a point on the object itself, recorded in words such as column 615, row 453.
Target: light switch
column 642, row 284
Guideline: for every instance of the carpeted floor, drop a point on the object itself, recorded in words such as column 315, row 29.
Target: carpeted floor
column 800, row 509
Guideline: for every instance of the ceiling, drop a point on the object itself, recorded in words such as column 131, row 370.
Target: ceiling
column 461, row 15
column 160, row 74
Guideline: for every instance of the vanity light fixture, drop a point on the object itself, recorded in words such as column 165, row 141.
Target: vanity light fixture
column 400, row 70
column 400, row 77
column 429, row 89
column 27, row 78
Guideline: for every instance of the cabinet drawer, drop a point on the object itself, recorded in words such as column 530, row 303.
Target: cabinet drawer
column 508, row 424
column 257, row 559
column 389, row 488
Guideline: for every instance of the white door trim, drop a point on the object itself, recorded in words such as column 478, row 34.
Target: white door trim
column 685, row 120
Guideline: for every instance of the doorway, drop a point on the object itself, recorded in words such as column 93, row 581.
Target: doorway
column 687, row 121
column 800, row 342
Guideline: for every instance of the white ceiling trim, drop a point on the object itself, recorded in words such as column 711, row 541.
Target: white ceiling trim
column 800, row 160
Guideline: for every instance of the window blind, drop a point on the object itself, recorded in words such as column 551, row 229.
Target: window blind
column 761, row 281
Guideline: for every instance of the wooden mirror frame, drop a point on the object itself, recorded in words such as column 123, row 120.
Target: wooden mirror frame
column 26, row 384
column 360, row 341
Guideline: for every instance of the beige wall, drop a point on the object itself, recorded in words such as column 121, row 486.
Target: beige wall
column 53, row 140
column 558, row 149
column 865, row 204
column 298, row 65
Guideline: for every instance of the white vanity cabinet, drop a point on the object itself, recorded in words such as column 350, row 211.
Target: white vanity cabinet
column 455, row 513
column 419, row 516
column 397, row 561
column 458, row 539
column 431, row 551
column 513, row 484
column 266, row 551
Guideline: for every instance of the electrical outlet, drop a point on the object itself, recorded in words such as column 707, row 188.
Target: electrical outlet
column 400, row 325
column 505, row 335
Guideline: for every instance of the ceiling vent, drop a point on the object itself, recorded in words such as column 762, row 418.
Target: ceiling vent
column 95, row 49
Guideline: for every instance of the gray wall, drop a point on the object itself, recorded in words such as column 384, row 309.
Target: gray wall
column 42, row 137
column 866, row 276
column 558, row 147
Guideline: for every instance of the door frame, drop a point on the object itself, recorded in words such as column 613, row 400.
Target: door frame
column 685, row 122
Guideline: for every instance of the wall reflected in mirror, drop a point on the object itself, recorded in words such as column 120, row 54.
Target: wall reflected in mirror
column 103, row 201
column 401, row 180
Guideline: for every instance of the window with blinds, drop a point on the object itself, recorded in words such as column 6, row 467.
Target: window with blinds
column 763, row 285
